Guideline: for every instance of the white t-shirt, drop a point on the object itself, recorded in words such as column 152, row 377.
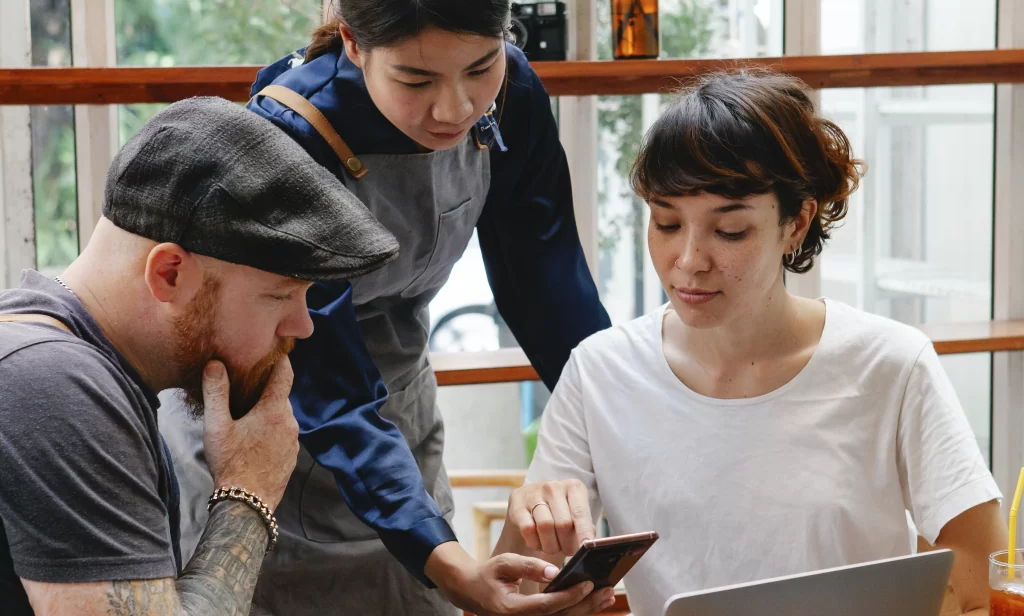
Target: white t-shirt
column 819, row 473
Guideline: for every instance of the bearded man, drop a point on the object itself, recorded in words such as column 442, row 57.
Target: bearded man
column 214, row 225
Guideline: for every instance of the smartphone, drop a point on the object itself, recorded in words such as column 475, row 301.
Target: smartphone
column 603, row 561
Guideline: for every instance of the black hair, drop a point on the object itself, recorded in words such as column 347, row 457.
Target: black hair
column 382, row 23
column 744, row 133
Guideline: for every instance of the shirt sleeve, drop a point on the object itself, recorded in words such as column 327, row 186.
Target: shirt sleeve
column 79, row 481
column 563, row 448
column 941, row 468
column 531, row 248
column 336, row 398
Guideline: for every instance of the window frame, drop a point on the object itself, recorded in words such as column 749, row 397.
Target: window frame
column 17, row 211
column 93, row 44
column 1007, row 422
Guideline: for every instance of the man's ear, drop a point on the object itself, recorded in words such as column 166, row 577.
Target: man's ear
column 172, row 273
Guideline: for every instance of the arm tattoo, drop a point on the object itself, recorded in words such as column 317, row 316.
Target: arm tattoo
column 221, row 577
column 135, row 597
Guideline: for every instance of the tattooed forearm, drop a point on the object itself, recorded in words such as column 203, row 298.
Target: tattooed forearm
column 132, row 598
column 221, row 576
column 218, row 581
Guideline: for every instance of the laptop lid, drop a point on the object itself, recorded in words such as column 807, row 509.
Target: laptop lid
column 912, row 585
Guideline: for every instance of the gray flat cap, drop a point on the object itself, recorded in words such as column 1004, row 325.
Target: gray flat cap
column 221, row 181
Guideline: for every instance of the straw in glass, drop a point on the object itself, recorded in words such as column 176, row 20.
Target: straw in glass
column 1012, row 552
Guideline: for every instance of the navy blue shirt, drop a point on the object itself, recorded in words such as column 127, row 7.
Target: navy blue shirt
column 534, row 263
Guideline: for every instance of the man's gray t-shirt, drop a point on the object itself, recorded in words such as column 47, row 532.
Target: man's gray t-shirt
column 86, row 488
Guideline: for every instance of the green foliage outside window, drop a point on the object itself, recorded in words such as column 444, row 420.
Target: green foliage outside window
column 207, row 32
column 149, row 33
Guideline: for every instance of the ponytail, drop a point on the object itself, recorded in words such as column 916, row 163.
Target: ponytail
column 326, row 39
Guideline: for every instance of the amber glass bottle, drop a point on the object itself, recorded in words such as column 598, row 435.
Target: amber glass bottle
column 635, row 29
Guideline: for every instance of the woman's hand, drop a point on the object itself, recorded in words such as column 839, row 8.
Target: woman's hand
column 552, row 517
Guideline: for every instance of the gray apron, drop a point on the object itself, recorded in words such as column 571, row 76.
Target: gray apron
column 326, row 560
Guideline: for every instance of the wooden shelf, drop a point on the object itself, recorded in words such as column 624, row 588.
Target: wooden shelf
column 848, row 71
column 981, row 337
column 511, row 365
column 124, row 85
column 504, row 366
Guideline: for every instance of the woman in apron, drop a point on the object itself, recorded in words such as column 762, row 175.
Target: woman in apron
column 440, row 127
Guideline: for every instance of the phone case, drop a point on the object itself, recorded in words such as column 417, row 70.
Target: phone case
column 603, row 561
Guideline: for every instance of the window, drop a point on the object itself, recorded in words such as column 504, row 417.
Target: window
column 148, row 33
column 212, row 32
column 206, row 32
column 54, row 188
column 917, row 245
column 463, row 315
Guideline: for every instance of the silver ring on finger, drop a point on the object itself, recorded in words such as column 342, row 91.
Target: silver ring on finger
column 538, row 505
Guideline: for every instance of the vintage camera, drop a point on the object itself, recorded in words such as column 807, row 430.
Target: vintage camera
column 540, row 30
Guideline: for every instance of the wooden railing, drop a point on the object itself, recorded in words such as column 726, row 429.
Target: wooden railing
column 123, row 85
column 511, row 365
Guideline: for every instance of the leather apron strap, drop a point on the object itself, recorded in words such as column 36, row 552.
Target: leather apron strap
column 298, row 103
column 34, row 318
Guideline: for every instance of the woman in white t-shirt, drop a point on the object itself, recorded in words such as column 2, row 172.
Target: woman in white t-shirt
column 760, row 433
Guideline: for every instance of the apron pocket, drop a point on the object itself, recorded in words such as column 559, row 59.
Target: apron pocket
column 413, row 409
column 324, row 515
column 454, row 230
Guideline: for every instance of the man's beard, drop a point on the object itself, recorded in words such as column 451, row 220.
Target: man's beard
column 195, row 348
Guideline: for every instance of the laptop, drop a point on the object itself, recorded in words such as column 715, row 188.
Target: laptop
column 912, row 585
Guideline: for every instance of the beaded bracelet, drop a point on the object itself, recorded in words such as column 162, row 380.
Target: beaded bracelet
column 244, row 496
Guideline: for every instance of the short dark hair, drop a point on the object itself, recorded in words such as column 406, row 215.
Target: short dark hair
column 382, row 23
column 742, row 133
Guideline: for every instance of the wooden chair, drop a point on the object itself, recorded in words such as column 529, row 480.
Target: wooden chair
column 485, row 513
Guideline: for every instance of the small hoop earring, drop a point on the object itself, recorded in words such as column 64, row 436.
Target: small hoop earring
column 792, row 257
